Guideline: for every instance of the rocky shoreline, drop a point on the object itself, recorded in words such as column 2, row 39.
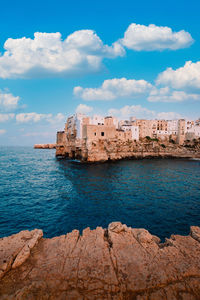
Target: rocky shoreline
column 44, row 146
column 115, row 263
column 105, row 150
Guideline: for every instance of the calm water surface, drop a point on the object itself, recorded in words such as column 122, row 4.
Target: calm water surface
column 39, row 191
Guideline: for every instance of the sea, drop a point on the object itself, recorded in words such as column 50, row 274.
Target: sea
column 38, row 190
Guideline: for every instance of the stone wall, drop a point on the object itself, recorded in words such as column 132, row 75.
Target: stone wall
column 95, row 132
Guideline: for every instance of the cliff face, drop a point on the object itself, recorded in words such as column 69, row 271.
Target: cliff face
column 114, row 150
column 103, row 150
column 114, row 263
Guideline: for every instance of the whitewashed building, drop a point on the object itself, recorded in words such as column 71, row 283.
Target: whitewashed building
column 134, row 130
column 172, row 127
column 97, row 120
column 192, row 132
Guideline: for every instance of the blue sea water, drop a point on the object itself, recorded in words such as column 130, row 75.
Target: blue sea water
column 37, row 190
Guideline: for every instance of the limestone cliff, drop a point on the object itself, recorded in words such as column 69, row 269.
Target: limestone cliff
column 114, row 149
column 115, row 263
column 44, row 146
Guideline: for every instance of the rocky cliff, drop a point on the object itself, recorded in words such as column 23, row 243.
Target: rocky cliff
column 44, row 146
column 115, row 263
column 103, row 150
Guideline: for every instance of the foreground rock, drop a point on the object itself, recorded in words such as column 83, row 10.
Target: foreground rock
column 44, row 146
column 114, row 263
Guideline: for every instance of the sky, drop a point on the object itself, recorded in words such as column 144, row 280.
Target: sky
column 122, row 58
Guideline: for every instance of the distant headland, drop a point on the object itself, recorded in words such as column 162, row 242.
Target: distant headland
column 44, row 146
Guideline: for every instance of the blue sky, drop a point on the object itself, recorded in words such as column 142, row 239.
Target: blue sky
column 58, row 57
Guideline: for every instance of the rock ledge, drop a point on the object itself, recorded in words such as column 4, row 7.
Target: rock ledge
column 115, row 263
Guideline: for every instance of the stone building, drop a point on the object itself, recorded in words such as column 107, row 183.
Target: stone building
column 192, row 130
column 123, row 135
column 162, row 125
column 97, row 120
column 98, row 132
column 133, row 129
column 181, row 132
column 172, row 127
column 80, row 129
column 144, row 127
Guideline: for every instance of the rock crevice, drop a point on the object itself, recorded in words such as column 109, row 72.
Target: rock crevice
column 115, row 263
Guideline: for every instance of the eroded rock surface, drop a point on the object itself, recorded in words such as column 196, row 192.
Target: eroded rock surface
column 115, row 263
column 44, row 146
column 104, row 150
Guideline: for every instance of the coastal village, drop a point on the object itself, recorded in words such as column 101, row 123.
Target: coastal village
column 99, row 138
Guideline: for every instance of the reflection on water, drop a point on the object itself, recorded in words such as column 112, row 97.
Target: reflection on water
column 39, row 191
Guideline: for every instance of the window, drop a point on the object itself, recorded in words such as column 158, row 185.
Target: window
column 95, row 133
column 102, row 133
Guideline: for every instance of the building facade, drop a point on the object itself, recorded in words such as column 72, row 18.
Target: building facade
column 81, row 127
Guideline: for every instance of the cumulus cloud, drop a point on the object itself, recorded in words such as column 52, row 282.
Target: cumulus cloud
column 2, row 131
column 6, row 117
column 82, row 51
column 84, row 109
column 148, row 38
column 57, row 119
column 186, row 77
column 130, row 88
column 114, row 88
column 34, row 117
column 47, row 53
column 8, row 101
column 169, row 116
column 142, row 113
column 165, row 94
column 132, row 111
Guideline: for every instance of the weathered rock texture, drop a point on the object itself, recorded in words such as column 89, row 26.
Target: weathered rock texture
column 114, row 263
column 103, row 150
column 44, row 146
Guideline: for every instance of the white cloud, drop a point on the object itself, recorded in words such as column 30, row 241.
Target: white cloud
column 168, row 116
column 114, row 88
column 57, row 119
column 165, row 94
column 2, row 131
column 130, row 88
column 32, row 117
column 141, row 113
column 148, row 38
column 132, row 111
column 8, row 101
column 84, row 109
column 6, row 117
column 186, row 77
column 47, row 53
column 82, row 51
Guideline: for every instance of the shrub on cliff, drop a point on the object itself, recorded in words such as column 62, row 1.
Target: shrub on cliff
column 148, row 138
column 155, row 140
column 172, row 141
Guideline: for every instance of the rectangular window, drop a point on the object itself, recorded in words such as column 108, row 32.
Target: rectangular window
column 95, row 133
column 102, row 133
